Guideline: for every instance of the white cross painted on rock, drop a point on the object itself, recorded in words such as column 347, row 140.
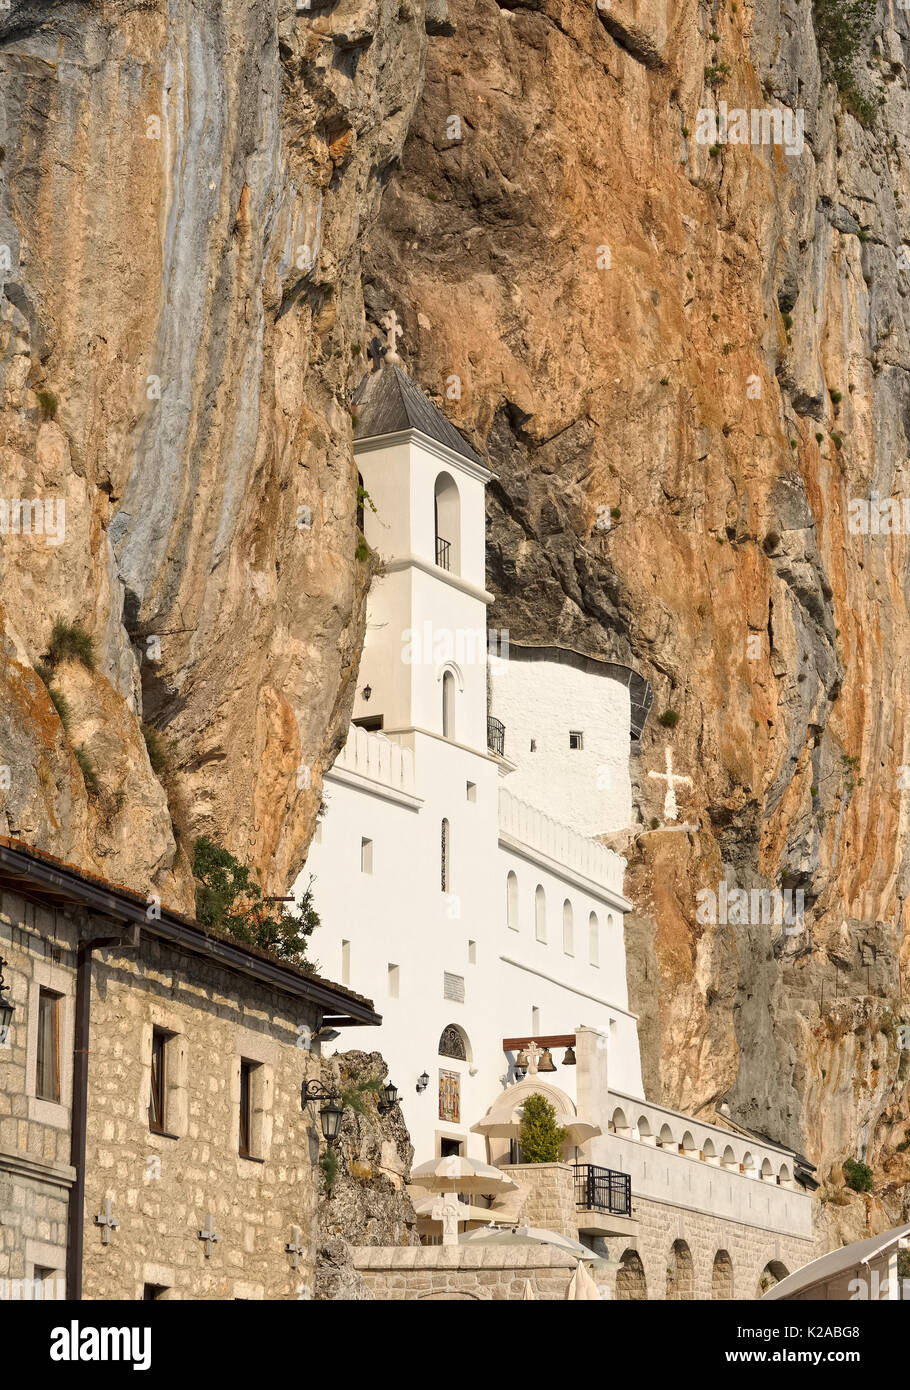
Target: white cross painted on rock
column 671, row 810
column 393, row 331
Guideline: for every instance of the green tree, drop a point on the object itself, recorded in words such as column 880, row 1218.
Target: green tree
column 539, row 1136
column 858, row 1176
column 228, row 896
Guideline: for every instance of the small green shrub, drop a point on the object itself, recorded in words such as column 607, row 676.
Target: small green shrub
column 62, row 706
column 540, row 1138
column 70, row 642
column 715, row 73
column 157, row 748
column 87, row 768
column 362, row 553
column 228, row 896
column 836, row 397
column 47, row 403
column 669, row 719
column 328, row 1164
column 842, row 29
column 858, row 1176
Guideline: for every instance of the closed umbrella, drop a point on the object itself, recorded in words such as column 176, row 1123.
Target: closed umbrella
column 527, row 1293
column 582, row 1286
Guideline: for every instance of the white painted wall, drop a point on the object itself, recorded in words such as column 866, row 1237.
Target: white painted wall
column 543, row 701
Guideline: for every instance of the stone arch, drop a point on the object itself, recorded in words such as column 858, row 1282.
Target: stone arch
column 688, row 1145
column 784, row 1176
column 631, row 1285
column 447, row 516
column 773, row 1272
column 708, row 1151
column 729, row 1159
column 645, row 1133
column 722, row 1276
column 665, row 1138
column 448, row 704
column 619, row 1124
column 767, row 1172
column 452, row 1297
column 680, row 1273
column 748, row 1165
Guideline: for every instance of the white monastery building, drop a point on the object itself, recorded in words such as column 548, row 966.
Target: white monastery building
column 459, row 887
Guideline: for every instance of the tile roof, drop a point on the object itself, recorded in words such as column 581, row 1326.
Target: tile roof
column 388, row 401
column 141, row 900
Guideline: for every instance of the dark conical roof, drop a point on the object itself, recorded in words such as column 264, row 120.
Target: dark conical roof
column 388, row 401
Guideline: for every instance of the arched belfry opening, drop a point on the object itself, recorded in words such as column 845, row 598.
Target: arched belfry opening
column 447, row 516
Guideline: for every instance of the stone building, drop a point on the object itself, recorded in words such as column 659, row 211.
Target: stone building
column 153, row 1142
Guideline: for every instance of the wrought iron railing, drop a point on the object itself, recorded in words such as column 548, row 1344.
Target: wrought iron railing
column 442, row 552
column 602, row 1189
column 496, row 736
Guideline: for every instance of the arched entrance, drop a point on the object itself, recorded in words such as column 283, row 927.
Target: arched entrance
column 773, row 1272
column 722, row 1276
column 631, row 1285
column 680, row 1273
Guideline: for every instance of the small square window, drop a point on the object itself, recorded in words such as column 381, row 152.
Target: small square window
column 366, row 856
column 576, row 738
column 471, row 790
column 533, row 745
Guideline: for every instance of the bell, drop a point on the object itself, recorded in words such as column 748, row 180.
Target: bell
column 569, row 1059
column 521, row 1060
column 546, row 1062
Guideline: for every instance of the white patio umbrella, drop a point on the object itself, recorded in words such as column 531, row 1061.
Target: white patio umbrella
column 526, row 1235
column 505, row 1126
column 459, row 1174
column 582, row 1286
column 527, row 1293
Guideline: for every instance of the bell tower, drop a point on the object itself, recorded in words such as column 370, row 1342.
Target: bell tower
column 424, row 660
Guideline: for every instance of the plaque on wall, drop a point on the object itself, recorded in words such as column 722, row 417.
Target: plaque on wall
column 449, row 1096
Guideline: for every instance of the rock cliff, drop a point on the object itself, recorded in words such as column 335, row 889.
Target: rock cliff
column 682, row 356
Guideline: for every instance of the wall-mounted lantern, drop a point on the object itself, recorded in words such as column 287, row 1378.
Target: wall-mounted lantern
column 423, row 1082
column 331, row 1110
column 7, row 1006
column 389, row 1098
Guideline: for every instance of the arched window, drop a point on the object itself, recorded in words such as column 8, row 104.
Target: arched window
column 568, row 929
column 512, row 901
column 447, row 514
column 593, row 939
column 448, row 704
column 452, row 1043
column 540, row 914
column 445, row 857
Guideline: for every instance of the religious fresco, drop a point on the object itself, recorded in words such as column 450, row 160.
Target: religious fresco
column 450, row 1096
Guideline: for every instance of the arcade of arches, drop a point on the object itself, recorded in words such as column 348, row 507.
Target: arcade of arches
column 712, row 1260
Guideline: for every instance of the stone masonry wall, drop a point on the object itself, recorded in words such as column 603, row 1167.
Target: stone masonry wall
column 750, row 1249
column 550, row 1200
column 35, row 1174
column 162, row 1187
column 457, row 1272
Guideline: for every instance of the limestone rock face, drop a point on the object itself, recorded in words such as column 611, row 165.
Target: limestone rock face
column 683, row 359
column 367, row 1202
column 184, row 191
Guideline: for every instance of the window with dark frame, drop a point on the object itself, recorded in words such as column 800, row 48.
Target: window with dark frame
column 152, row 1292
column 576, row 739
column 157, row 1087
column 47, row 1068
column 246, row 1106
